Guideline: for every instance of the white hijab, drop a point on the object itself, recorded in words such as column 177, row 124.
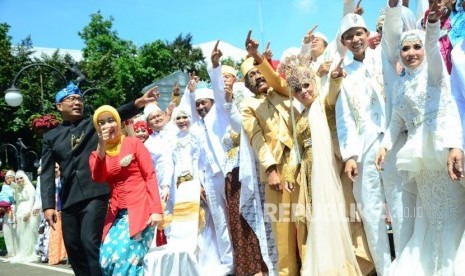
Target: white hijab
column 412, row 35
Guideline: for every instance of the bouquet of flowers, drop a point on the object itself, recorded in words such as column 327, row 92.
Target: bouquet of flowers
column 42, row 123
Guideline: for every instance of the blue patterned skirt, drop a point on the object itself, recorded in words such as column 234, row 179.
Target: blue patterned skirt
column 120, row 254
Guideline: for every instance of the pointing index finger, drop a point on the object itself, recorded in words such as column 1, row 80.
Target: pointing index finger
column 267, row 46
column 216, row 45
column 312, row 29
column 339, row 65
column 249, row 34
column 343, row 53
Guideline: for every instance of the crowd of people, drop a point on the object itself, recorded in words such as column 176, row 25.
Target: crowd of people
column 292, row 168
column 27, row 237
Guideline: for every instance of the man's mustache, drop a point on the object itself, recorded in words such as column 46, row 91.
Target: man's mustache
column 259, row 81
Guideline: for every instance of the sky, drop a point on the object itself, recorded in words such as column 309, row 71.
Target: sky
column 56, row 23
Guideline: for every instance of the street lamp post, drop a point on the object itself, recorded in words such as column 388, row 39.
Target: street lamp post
column 22, row 151
column 13, row 95
column 20, row 154
column 36, row 162
column 17, row 156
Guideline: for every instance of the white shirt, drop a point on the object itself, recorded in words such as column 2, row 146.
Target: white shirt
column 360, row 107
column 159, row 147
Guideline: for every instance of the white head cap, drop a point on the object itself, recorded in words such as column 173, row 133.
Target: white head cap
column 203, row 93
column 10, row 173
column 322, row 36
column 350, row 21
column 151, row 108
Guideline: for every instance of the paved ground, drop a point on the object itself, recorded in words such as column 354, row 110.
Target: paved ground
column 33, row 269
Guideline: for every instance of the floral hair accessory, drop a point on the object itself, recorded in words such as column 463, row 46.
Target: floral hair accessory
column 142, row 125
column 296, row 71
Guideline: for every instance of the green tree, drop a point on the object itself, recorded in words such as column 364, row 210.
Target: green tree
column 121, row 70
column 109, row 61
column 186, row 57
column 113, row 71
column 8, row 69
column 13, row 59
column 155, row 58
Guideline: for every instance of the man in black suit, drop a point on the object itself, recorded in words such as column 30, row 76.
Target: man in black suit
column 84, row 202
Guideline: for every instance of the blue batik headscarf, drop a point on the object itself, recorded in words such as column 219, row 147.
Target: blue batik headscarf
column 69, row 90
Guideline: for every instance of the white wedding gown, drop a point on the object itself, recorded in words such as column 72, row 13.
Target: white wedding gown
column 27, row 225
column 425, row 106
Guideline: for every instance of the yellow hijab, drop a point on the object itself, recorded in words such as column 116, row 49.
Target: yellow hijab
column 112, row 149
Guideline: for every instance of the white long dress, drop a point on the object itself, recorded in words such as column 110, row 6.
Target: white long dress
column 457, row 79
column 458, row 90
column 424, row 104
column 27, row 225
column 186, row 153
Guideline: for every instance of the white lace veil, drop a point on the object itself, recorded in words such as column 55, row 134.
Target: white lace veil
column 329, row 243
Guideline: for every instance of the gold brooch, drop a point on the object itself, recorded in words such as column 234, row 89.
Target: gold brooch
column 75, row 141
column 125, row 161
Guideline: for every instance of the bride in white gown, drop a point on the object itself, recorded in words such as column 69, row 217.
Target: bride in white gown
column 27, row 222
column 425, row 107
column 186, row 150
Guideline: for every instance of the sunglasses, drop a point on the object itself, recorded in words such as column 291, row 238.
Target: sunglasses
column 181, row 117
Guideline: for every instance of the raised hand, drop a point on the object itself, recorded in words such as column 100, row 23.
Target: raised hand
column 151, row 95
column 324, row 68
column 193, row 79
column 251, row 46
column 216, row 55
column 267, row 54
column 358, row 8
column 309, row 35
column 338, row 71
column 170, row 108
column 435, row 12
column 176, row 89
column 228, row 93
